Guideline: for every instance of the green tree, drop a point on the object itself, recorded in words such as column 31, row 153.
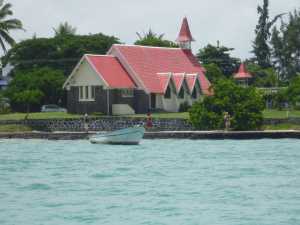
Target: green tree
column 64, row 29
column 220, row 56
column 46, row 81
column 286, row 47
column 7, row 25
column 28, row 98
column 152, row 39
column 244, row 105
column 62, row 52
column 263, row 77
column 213, row 72
column 261, row 47
column 293, row 91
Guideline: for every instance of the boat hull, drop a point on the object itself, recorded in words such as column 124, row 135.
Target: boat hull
column 128, row 136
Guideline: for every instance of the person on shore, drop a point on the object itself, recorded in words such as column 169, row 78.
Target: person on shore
column 149, row 123
column 85, row 123
column 227, row 121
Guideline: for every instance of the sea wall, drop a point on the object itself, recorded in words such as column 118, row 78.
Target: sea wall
column 101, row 124
column 114, row 123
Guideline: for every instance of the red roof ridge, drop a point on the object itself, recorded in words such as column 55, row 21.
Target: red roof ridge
column 146, row 46
column 99, row 55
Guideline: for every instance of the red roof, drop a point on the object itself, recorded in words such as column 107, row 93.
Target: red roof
column 185, row 33
column 242, row 73
column 143, row 63
column 111, row 71
column 178, row 80
column 164, row 80
column 191, row 81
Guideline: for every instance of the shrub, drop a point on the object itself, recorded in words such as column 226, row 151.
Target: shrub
column 4, row 105
column 244, row 105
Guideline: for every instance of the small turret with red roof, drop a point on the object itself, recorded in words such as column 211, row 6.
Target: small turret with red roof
column 243, row 75
column 185, row 38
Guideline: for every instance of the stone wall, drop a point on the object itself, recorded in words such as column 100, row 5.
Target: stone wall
column 114, row 123
column 102, row 124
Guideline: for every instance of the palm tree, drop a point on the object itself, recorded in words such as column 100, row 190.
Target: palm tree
column 64, row 29
column 149, row 35
column 6, row 25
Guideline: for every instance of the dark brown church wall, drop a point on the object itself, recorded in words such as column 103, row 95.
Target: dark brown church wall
column 141, row 102
column 82, row 107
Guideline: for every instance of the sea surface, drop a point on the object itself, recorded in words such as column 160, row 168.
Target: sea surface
column 184, row 182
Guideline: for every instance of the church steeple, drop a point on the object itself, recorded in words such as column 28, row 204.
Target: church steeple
column 185, row 37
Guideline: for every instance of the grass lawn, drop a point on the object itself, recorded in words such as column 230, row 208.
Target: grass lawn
column 14, row 128
column 50, row 115
column 183, row 115
column 276, row 114
column 282, row 126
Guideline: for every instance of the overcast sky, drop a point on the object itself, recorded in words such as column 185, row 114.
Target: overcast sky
column 230, row 21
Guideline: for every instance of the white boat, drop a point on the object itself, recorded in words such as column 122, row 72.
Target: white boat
column 127, row 136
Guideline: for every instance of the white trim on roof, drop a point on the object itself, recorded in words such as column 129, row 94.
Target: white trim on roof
column 73, row 72
column 169, row 75
column 181, row 75
column 95, row 70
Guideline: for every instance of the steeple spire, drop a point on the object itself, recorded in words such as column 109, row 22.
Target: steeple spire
column 185, row 37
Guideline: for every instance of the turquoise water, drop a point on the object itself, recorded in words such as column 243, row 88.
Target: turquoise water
column 172, row 182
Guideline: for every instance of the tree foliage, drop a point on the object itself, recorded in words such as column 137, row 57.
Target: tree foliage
column 27, row 98
column 64, row 29
column 213, row 72
column 261, row 47
column 244, row 105
column 263, row 77
column 45, row 81
column 7, row 25
column 293, row 91
column 219, row 56
column 61, row 52
column 152, row 39
column 286, row 47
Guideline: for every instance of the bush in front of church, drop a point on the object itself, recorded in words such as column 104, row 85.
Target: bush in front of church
column 244, row 105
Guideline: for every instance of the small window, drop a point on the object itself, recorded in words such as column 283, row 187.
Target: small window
column 181, row 93
column 127, row 93
column 194, row 94
column 168, row 92
column 86, row 92
column 80, row 92
column 93, row 92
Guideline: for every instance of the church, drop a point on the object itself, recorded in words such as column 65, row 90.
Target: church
column 132, row 79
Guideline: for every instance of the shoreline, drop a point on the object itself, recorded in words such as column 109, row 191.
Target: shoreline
column 194, row 135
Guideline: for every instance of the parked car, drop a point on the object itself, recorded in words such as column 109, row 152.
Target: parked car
column 52, row 108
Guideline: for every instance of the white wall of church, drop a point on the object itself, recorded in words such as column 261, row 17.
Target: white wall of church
column 173, row 103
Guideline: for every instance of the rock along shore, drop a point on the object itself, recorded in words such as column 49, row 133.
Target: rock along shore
column 239, row 135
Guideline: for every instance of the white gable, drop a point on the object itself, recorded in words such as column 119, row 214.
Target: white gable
column 84, row 75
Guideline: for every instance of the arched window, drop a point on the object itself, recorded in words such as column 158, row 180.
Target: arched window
column 168, row 92
column 194, row 93
column 181, row 93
